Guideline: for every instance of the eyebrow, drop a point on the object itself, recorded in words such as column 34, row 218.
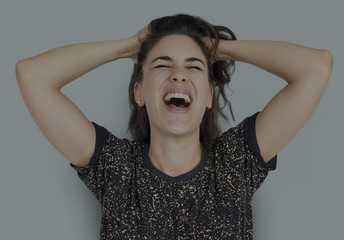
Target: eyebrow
column 167, row 58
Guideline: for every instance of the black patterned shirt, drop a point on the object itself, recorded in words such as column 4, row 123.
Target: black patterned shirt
column 212, row 201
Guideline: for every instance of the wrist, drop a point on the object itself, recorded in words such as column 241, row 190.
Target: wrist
column 129, row 47
column 223, row 52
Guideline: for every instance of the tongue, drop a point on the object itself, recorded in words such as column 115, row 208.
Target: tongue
column 177, row 107
column 177, row 103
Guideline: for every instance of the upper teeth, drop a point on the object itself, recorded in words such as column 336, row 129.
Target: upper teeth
column 177, row 95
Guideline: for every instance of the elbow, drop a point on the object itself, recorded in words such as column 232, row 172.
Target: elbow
column 26, row 74
column 19, row 67
column 315, row 67
column 21, row 70
column 326, row 65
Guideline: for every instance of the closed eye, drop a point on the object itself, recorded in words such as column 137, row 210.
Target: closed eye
column 195, row 67
column 162, row 66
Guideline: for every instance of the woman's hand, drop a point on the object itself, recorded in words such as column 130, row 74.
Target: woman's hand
column 139, row 38
column 221, row 54
column 224, row 53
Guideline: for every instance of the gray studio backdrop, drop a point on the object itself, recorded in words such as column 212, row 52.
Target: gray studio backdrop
column 41, row 197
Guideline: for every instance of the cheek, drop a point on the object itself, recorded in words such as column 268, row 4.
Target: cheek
column 154, row 79
column 201, row 82
column 206, row 94
column 150, row 89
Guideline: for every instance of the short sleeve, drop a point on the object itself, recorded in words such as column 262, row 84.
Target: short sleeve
column 93, row 173
column 256, row 169
column 251, row 139
column 238, row 152
column 101, row 134
column 112, row 166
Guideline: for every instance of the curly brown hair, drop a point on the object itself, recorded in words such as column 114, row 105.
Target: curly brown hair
column 219, row 71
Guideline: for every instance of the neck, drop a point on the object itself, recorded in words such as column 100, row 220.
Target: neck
column 175, row 156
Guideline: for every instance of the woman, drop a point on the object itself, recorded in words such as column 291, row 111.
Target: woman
column 178, row 178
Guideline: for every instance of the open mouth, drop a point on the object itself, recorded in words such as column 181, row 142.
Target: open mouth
column 177, row 100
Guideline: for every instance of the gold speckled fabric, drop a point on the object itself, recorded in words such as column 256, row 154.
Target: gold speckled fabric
column 213, row 201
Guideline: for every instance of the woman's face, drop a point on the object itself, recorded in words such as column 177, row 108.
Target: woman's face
column 175, row 86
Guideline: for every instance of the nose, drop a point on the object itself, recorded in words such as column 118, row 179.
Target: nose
column 178, row 76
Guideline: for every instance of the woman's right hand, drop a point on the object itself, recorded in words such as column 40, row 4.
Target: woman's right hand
column 139, row 38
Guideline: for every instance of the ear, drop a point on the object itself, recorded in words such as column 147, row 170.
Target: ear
column 138, row 94
column 210, row 98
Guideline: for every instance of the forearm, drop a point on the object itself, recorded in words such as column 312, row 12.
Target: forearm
column 289, row 61
column 59, row 66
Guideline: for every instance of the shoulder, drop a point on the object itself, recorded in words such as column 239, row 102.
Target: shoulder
column 239, row 143
column 235, row 138
column 110, row 151
column 107, row 140
column 236, row 157
column 114, row 148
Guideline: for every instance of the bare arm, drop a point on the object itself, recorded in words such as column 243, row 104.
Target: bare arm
column 306, row 71
column 40, row 80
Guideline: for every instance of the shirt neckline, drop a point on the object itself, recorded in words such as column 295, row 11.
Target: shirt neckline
column 183, row 177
